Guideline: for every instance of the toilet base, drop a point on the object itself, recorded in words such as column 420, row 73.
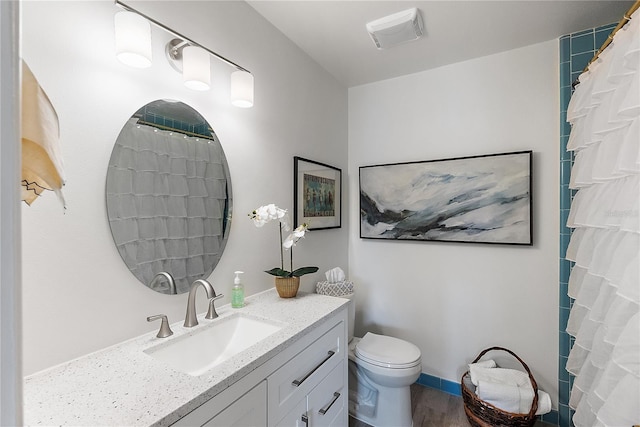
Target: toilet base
column 393, row 410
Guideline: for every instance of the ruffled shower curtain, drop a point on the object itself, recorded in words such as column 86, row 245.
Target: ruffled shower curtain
column 167, row 199
column 604, row 112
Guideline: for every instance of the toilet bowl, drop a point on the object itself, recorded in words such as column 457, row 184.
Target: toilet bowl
column 381, row 370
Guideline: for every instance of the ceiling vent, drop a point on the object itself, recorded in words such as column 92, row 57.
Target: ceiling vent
column 395, row 29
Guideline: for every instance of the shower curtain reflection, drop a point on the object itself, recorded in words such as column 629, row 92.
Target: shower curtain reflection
column 167, row 203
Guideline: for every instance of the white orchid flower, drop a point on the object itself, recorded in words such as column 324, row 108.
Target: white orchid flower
column 274, row 212
column 266, row 213
column 285, row 222
column 301, row 230
column 297, row 234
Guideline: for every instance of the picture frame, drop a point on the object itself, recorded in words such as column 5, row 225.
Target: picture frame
column 475, row 199
column 317, row 195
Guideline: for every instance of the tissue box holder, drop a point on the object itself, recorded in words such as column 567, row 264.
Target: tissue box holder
column 483, row 414
column 337, row 289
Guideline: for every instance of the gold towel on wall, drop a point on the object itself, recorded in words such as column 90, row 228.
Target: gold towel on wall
column 41, row 157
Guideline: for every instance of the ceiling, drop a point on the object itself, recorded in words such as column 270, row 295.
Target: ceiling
column 334, row 33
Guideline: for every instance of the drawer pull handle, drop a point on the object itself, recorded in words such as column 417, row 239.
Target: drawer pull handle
column 336, row 396
column 300, row 381
column 305, row 419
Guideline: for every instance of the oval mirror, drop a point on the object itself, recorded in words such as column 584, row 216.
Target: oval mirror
column 169, row 196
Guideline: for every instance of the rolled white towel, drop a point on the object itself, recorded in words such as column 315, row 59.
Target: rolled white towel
column 513, row 398
column 498, row 375
column 544, row 403
column 503, row 396
column 489, row 363
column 526, row 398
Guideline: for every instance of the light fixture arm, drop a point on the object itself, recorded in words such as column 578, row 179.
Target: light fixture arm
column 186, row 40
column 177, row 48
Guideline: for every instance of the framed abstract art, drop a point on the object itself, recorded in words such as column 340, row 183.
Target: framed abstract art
column 477, row 199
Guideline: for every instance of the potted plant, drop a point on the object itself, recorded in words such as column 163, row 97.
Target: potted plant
column 287, row 281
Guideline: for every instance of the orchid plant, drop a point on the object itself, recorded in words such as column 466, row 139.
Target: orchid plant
column 267, row 213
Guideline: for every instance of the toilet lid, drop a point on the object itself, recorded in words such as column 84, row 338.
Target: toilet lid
column 389, row 352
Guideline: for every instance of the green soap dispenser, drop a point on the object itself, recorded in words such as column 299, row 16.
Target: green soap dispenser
column 237, row 292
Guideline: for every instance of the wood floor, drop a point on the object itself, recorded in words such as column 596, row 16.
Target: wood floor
column 434, row 408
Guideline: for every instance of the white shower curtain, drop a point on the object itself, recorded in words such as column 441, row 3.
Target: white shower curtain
column 605, row 245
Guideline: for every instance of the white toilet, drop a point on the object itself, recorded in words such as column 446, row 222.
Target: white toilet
column 381, row 369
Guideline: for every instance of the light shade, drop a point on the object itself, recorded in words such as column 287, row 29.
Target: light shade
column 242, row 89
column 133, row 39
column 196, row 68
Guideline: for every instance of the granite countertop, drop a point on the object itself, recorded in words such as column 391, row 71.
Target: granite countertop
column 121, row 385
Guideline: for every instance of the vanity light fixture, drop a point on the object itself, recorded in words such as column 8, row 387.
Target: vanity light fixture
column 193, row 61
column 242, row 89
column 133, row 39
column 196, row 68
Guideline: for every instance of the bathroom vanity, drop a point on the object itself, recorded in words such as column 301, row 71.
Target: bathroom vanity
column 296, row 375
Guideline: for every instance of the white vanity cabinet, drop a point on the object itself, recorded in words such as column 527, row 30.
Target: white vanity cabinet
column 249, row 410
column 324, row 406
column 301, row 377
column 327, row 403
column 304, row 385
column 229, row 410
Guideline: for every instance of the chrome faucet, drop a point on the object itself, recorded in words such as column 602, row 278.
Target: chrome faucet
column 211, row 313
column 169, row 277
column 165, row 330
column 190, row 319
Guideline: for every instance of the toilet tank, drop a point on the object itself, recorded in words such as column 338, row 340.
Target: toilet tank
column 351, row 313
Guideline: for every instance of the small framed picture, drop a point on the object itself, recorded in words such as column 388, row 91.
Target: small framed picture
column 317, row 194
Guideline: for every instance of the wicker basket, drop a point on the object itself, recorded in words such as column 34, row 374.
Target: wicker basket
column 483, row 414
column 287, row 287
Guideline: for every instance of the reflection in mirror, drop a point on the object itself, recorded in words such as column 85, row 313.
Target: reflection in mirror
column 169, row 196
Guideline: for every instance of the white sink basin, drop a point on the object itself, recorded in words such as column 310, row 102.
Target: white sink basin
column 210, row 345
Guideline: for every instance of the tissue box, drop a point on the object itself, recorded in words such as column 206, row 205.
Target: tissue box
column 337, row 289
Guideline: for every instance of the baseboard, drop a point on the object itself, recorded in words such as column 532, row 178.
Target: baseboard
column 447, row 386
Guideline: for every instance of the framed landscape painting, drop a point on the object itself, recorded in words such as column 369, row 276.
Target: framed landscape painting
column 317, row 198
column 478, row 199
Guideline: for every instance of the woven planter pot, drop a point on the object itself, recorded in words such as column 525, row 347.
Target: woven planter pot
column 287, row 287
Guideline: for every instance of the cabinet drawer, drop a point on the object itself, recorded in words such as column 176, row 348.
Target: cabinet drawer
column 297, row 417
column 327, row 402
column 296, row 378
column 249, row 410
column 233, row 407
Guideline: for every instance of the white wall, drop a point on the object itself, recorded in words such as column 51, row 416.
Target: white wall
column 451, row 299
column 78, row 296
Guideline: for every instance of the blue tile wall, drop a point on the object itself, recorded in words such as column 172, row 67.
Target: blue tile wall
column 576, row 50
